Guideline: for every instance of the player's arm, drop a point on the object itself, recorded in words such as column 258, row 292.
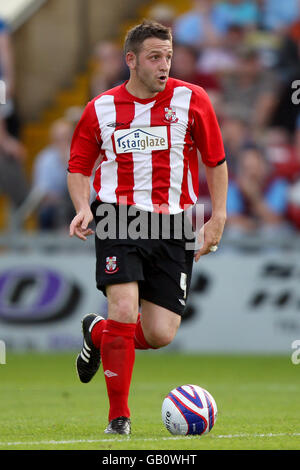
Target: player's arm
column 217, row 180
column 79, row 190
column 85, row 149
column 207, row 136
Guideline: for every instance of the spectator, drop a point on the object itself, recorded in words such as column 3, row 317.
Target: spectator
column 278, row 15
column 184, row 67
column 244, row 13
column 286, row 111
column 288, row 64
column 200, row 26
column 110, row 68
column 236, row 134
column 294, row 205
column 73, row 115
column 7, row 74
column 281, row 153
column 250, row 93
column 297, row 137
column 223, row 58
column 257, row 202
column 162, row 13
column 266, row 43
column 6, row 59
column 203, row 199
column 49, row 178
column 13, row 181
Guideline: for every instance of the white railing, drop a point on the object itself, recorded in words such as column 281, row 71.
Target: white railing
column 54, row 241
column 14, row 237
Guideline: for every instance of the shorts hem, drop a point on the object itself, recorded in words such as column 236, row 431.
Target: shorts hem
column 163, row 304
column 102, row 286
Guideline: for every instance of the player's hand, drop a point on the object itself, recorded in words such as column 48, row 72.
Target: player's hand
column 79, row 225
column 213, row 231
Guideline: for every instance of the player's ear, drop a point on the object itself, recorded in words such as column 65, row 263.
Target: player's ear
column 131, row 60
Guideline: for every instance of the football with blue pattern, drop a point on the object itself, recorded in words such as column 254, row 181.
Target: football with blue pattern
column 189, row 410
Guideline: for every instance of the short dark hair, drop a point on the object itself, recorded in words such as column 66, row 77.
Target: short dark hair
column 147, row 29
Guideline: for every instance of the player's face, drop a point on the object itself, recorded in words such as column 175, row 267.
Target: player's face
column 152, row 65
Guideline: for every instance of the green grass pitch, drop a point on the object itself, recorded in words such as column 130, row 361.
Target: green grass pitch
column 44, row 406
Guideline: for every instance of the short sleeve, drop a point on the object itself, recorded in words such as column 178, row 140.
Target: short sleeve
column 86, row 143
column 205, row 129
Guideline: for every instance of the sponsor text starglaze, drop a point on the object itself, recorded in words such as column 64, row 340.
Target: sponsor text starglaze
column 146, row 139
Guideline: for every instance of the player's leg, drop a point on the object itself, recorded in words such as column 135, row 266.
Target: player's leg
column 89, row 359
column 164, row 295
column 98, row 328
column 113, row 340
column 159, row 325
column 117, row 265
column 123, row 302
column 118, row 352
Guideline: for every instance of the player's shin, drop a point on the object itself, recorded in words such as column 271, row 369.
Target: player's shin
column 118, row 355
column 139, row 338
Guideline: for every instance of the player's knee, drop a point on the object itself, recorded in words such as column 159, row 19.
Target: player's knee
column 123, row 310
column 161, row 339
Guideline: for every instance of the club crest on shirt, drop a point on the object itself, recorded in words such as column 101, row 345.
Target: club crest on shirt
column 170, row 115
column 111, row 265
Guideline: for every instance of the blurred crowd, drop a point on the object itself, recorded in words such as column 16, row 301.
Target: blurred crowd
column 246, row 55
column 12, row 153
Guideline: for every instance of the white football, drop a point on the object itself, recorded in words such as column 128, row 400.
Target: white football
column 188, row 410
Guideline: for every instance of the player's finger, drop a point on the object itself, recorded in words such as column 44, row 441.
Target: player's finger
column 198, row 255
column 88, row 232
column 83, row 234
column 203, row 251
column 85, row 223
column 72, row 229
column 75, row 222
column 79, row 234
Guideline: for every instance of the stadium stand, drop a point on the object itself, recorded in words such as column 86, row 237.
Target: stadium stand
column 250, row 38
column 45, row 92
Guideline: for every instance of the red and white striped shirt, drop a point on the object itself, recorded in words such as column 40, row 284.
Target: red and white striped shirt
column 149, row 146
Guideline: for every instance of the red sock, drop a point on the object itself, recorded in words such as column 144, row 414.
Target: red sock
column 117, row 355
column 139, row 338
column 96, row 334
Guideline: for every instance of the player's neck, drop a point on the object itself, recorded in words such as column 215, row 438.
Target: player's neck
column 137, row 89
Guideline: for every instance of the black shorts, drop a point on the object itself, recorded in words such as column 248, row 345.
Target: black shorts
column 162, row 267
